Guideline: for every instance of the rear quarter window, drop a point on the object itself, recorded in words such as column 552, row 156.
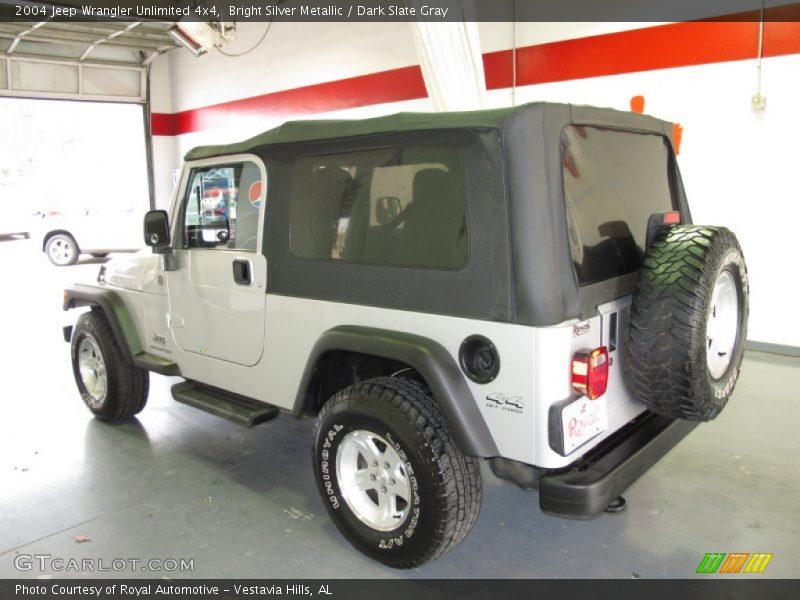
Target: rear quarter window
column 613, row 181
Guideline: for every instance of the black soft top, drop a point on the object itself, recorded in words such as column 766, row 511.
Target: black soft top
column 496, row 118
column 520, row 268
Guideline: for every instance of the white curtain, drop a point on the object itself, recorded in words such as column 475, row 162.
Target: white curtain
column 450, row 57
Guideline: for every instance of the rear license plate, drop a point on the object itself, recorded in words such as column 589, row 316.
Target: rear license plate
column 582, row 420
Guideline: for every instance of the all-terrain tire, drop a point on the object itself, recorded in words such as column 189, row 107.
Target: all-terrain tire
column 96, row 357
column 446, row 486
column 671, row 364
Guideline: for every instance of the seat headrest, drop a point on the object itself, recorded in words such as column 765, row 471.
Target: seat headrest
column 327, row 181
column 430, row 184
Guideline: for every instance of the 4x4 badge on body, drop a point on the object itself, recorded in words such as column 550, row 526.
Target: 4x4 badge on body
column 510, row 403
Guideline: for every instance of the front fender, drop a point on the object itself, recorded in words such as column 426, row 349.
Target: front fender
column 122, row 325
column 115, row 310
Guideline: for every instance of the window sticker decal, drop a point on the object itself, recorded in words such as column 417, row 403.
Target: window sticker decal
column 254, row 194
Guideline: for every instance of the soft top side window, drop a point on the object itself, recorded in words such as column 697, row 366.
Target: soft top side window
column 401, row 206
column 221, row 206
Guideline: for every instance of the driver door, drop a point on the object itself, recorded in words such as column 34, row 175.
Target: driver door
column 217, row 293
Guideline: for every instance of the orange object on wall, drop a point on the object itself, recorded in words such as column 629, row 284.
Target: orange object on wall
column 677, row 136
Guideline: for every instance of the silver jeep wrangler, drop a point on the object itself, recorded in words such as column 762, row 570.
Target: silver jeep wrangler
column 522, row 285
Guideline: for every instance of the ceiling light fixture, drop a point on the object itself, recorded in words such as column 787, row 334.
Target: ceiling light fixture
column 199, row 37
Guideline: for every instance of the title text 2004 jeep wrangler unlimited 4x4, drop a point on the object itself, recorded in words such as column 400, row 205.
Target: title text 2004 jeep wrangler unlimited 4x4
column 522, row 285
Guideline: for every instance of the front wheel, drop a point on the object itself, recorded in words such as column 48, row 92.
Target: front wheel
column 62, row 250
column 111, row 388
column 390, row 474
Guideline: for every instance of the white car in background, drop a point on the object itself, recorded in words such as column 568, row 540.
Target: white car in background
column 65, row 236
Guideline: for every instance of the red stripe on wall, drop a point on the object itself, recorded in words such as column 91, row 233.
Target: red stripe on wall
column 387, row 86
column 781, row 39
column 661, row 47
column 162, row 124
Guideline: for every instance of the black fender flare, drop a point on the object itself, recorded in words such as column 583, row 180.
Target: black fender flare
column 430, row 359
column 121, row 323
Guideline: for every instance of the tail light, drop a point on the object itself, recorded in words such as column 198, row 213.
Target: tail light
column 590, row 372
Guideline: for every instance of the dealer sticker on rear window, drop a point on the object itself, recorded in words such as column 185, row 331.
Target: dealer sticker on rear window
column 582, row 420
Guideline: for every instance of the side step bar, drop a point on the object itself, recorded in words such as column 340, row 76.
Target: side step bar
column 233, row 407
column 156, row 364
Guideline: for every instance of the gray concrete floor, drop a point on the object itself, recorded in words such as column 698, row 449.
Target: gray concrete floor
column 178, row 483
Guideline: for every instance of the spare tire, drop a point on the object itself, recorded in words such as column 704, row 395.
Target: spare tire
column 688, row 323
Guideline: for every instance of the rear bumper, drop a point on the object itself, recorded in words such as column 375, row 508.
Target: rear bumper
column 586, row 491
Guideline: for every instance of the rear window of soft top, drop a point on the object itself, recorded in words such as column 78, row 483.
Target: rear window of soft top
column 613, row 181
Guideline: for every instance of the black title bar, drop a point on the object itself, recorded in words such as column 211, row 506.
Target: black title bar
column 733, row 588
column 399, row 10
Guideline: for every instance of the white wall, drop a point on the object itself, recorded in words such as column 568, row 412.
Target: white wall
column 738, row 167
column 165, row 149
column 292, row 55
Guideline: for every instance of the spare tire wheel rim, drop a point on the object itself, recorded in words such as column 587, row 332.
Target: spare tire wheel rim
column 92, row 368
column 373, row 480
column 722, row 326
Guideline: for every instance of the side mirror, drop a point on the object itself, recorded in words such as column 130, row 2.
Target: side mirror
column 156, row 230
column 387, row 208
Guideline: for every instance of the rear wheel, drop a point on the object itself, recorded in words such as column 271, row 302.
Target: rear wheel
column 99, row 254
column 390, row 474
column 111, row 388
column 689, row 323
column 62, row 250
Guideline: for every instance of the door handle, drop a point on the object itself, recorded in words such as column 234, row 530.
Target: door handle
column 242, row 273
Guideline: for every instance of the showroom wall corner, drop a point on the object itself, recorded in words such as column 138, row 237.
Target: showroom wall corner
column 166, row 158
